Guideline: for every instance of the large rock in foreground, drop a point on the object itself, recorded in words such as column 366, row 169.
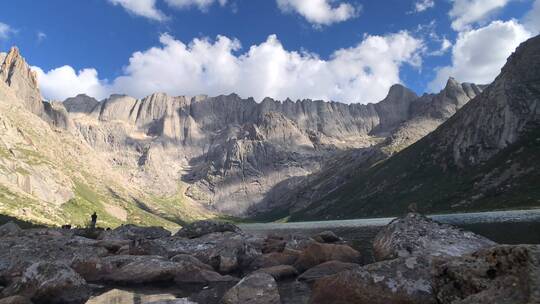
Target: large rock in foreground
column 258, row 288
column 200, row 228
column 317, row 253
column 399, row 281
column 503, row 275
column 416, row 234
column 50, row 283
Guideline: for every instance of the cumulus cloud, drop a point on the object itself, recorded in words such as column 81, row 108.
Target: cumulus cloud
column 362, row 73
column 5, row 31
column 144, row 8
column 64, row 82
column 422, row 5
column 467, row 12
column 478, row 55
column 201, row 4
column 532, row 19
column 319, row 12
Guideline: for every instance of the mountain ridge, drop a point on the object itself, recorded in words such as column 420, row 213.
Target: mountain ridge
column 226, row 155
column 483, row 157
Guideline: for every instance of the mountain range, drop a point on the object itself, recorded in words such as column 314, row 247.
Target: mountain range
column 167, row 160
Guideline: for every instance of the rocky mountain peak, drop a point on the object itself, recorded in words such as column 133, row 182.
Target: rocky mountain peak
column 16, row 73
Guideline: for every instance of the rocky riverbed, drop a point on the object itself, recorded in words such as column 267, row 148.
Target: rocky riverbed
column 417, row 260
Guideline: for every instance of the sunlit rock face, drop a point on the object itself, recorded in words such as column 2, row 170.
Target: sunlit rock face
column 229, row 153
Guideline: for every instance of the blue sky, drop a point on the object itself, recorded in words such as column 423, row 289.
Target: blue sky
column 343, row 50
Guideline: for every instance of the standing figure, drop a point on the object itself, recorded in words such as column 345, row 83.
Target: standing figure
column 93, row 222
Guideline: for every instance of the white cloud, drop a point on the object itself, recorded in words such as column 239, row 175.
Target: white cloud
column 201, row 4
column 422, row 5
column 5, row 31
column 362, row 73
column 64, row 82
column 144, row 8
column 464, row 13
column 319, row 12
column 478, row 55
column 445, row 46
column 532, row 19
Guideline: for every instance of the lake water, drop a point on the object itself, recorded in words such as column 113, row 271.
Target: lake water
column 505, row 227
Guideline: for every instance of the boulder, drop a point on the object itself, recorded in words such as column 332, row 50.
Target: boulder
column 15, row 300
column 502, row 274
column 416, row 234
column 287, row 257
column 10, row 229
column 200, row 228
column 129, row 270
column 133, row 232
column 326, row 237
column 179, row 258
column 326, row 269
column 46, row 282
column 226, row 252
column 317, row 253
column 280, row 272
column 399, row 281
column 257, row 288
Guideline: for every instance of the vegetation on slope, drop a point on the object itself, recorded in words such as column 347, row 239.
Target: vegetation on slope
column 509, row 180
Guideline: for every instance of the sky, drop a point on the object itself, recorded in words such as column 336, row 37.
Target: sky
column 349, row 51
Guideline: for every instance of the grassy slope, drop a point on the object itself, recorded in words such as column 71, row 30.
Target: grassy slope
column 508, row 180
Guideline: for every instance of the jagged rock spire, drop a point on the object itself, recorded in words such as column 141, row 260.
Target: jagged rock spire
column 16, row 73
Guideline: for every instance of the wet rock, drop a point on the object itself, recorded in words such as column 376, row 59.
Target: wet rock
column 317, row 253
column 399, row 281
column 326, row 269
column 133, row 232
column 326, row 237
column 200, row 228
column 257, row 288
column 179, row 258
column 10, row 229
column 50, row 283
column 15, row 300
column 502, row 274
column 416, row 234
column 280, row 272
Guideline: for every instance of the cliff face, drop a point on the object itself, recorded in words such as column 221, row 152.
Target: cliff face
column 229, row 153
column 485, row 156
column 16, row 74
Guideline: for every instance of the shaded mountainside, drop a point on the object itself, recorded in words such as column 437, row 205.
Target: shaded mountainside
column 486, row 156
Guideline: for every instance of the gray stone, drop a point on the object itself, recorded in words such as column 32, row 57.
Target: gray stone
column 258, row 288
column 201, row 228
column 416, row 234
column 45, row 282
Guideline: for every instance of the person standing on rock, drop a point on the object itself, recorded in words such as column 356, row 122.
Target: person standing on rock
column 93, row 221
